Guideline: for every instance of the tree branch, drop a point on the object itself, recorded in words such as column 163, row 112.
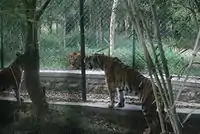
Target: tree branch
column 192, row 10
column 41, row 10
column 198, row 5
column 25, row 2
column 131, row 14
column 184, row 6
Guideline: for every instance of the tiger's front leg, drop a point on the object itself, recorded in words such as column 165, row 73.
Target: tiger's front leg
column 17, row 89
column 19, row 98
column 120, row 97
column 112, row 91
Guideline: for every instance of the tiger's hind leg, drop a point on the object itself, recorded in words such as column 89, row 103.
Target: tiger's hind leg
column 150, row 115
column 120, row 98
column 151, row 123
column 149, row 110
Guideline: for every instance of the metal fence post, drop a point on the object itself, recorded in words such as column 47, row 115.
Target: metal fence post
column 82, row 43
column 2, row 46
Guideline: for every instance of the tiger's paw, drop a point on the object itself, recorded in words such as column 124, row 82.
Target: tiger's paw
column 22, row 99
column 110, row 106
column 120, row 105
column 147, row 131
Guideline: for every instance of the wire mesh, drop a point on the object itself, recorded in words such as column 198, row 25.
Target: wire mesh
column 59, row 38
column 59, row 30
column 11, row 34
column 97, row 27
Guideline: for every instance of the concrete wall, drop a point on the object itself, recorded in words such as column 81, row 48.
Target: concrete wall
column 95, row 80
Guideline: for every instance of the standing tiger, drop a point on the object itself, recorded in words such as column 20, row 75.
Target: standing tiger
column 10, row 77
column 120, row 76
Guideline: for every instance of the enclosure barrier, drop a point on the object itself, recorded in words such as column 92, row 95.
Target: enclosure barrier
column 97, row 78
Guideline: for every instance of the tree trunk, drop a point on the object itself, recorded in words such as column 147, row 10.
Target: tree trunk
column 39, row 29
column 126, row 23
column 57, row 28
column 31, row 71
column 112, row 26
column 195, row 18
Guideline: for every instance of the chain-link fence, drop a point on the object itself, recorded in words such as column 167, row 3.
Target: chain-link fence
column 59, row 31
column 11, row 32
column 59, row 36
column 98, row 23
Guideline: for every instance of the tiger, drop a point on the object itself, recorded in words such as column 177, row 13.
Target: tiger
column 74, row 60
column 10, row 77
column 120, row 77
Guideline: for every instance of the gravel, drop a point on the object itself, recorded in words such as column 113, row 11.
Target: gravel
column 187, row 99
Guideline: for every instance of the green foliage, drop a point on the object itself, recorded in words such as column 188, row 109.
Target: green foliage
column 175, row 61
column 53, row 53
column 178, row 28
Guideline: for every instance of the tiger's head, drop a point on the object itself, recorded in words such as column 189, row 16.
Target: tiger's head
column 74, row 60
column 19, row 61
column 95, row 61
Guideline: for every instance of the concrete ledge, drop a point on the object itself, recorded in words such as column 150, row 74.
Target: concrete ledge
column 129, row 117
column 103, row 107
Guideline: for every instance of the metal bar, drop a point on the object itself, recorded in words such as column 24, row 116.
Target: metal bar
column 82, row 43
column 2, row 40
column 133, row 51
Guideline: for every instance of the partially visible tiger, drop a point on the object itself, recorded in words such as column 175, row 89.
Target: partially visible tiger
column 74, row 60
column 10, row 77
column 120, row 76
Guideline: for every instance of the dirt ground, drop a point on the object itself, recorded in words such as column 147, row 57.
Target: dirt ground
column 191, row 99
column 91, row 124
column 68, row 121
column 188, row 98
column 77, row 122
